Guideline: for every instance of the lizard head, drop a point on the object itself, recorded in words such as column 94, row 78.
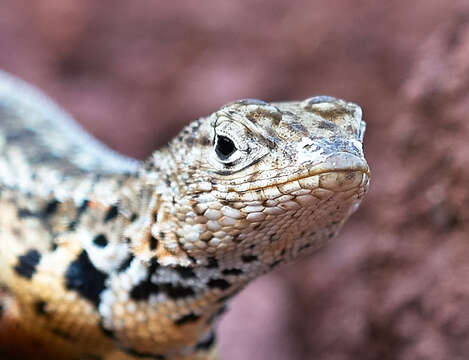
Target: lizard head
column 256, row 184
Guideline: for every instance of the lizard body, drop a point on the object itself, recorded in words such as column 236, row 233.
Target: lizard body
column 104, row 257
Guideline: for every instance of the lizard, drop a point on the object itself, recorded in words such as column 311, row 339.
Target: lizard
column 106, row 257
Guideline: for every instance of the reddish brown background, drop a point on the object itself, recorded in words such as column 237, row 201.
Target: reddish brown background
column 395, row 284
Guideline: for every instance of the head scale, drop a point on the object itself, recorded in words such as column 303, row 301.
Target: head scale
column 256, row 184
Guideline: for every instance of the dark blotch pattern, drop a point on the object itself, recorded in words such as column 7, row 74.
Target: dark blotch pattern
column 248, row 258
column 153, row 243
column 221, row 284
column 147, row 288
column 187, row 319
column 51, row 207
column 23, row 213
column 185, row 272
column 40, row 307
column 143, row 290
column 212, row 263
column 84, row 278
column 82, row 208
column 144, row 355
column 111, row 213
column 232, row 272
column 177, row 291
column 27, row 264
column 100, row 240
column 126, row 263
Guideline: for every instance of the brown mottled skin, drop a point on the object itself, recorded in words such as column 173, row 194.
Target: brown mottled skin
column 103, row 257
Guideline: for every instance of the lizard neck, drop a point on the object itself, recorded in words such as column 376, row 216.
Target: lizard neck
column 163, row 300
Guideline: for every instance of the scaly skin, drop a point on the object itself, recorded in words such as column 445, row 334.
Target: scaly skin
column 102, row 257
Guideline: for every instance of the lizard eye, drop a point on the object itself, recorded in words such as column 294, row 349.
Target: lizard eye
column 224, row 147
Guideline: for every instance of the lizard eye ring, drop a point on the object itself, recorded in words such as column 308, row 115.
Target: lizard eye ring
column 224, row 147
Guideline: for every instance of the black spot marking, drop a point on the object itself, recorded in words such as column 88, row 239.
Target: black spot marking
column 248, row 258
column 154, row 265
column 40, row 307
column 212, row 263
column 23, row 213
column 207, row 343
column 111, row 213
column 82, row 208
column 27, row 263
column 143, row 290
column 133, row 217
column 187, row 319
column 232, row 271
column 51, row 207
column 126, row 263
column 84, row 278
column 144, row 355
column 72, row 225
column 185, row 272
column 153, row 243
column 177, row 291
column 221, row 284
column 146, row 288
column 155, row 217
column 100, row 240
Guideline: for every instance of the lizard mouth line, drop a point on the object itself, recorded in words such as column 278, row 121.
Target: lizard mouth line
column 364, row 170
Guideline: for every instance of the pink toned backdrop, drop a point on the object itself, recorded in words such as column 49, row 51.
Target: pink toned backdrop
column 394, row 284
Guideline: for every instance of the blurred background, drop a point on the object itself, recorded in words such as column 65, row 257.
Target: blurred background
column 395, row 284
